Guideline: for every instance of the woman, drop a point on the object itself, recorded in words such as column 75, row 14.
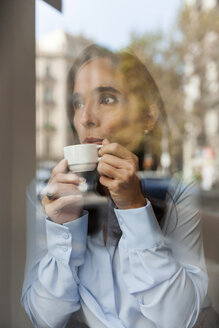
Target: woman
column 135, row 266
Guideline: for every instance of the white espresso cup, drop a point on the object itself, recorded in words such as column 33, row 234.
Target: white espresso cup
column 82, row 157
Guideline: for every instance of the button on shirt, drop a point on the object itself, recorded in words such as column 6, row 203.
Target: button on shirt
column 152, row 278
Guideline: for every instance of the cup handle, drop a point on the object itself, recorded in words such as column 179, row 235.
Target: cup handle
column 98, row 147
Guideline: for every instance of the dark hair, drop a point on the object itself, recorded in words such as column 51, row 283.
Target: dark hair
column 139, row 82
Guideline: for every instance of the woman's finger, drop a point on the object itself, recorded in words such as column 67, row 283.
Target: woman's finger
column 116, row 150
column 105, row 142
column 58, row 190
column 115, row 161
column 68, row 178
column 110, row 171
column 108, row 182
column 62, row 202
column 61, row 167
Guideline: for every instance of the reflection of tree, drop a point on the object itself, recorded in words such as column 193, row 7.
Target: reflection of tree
column 200, row 32
column 143, row 97
column 163, row 59
column 192, row 42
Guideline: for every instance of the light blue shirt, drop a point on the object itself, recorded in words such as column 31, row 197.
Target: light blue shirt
column 154, row 277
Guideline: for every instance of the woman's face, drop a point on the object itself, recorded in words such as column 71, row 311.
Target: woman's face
column 102, row 107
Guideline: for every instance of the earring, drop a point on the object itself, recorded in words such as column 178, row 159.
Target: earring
column 146, row 131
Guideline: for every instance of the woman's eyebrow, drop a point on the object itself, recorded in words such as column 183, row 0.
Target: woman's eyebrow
column 100, row 89
column 75, row 96
column 106, row 89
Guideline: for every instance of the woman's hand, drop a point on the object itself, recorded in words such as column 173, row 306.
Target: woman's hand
column 117, row 169
column 66, row 203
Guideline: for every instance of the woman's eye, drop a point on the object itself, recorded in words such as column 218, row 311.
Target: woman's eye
column 78, row 104
column 107, row 99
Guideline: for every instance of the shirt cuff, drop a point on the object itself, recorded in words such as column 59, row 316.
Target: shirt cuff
column 68, row 241
column 140, row 228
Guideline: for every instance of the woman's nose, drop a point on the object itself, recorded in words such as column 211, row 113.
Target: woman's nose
column 89, row 116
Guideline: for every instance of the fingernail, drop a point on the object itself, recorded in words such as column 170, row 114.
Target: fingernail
column 83, row 187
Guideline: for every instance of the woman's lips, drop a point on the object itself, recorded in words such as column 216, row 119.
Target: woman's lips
column 97, row 141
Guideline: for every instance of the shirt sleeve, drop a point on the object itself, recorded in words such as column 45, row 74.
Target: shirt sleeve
column 165, row 271
column 50, row 293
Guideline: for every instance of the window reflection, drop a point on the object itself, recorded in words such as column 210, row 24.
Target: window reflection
column 184, row 65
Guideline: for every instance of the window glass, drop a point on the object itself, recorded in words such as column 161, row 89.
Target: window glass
column 154, row 92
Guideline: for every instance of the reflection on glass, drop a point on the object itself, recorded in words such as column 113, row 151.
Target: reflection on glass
column 127, row 248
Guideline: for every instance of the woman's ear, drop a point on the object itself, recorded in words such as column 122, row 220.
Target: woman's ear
column 151, row 117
